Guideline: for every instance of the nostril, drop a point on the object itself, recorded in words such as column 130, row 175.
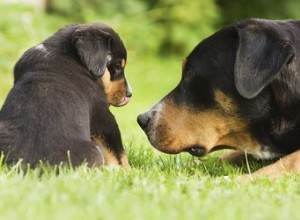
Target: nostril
column 128, row 94
column 128, row 90
column 143, row 120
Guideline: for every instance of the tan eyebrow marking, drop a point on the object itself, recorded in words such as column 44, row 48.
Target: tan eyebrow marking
column 123, row 63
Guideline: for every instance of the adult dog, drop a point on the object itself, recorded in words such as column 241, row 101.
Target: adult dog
column 240, row 89
column 58, row 108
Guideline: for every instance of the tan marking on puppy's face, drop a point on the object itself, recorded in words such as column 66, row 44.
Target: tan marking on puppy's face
column 123, row 63
column 115, row 91
column 174, row 128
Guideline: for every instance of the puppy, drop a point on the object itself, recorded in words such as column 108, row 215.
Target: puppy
column 239, row 90
column 58, row 108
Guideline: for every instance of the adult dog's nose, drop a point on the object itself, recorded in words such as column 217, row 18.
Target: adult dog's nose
column 143, row 120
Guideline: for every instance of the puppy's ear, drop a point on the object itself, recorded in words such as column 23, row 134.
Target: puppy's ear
column 260, row 57
column 93, row 50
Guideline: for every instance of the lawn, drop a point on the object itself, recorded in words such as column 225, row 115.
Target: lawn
column 158, row 186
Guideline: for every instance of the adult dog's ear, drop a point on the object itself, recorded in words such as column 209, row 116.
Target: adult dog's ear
column 260, row 57
column 93, row 50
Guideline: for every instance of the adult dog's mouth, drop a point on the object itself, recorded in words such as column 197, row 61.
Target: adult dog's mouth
column 196, row 150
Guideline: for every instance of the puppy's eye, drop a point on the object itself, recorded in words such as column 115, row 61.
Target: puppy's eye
column 118, row 67
column 188, row 74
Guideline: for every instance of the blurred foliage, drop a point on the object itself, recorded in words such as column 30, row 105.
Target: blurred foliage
column 170, row 27
column 151, row 27
column 234, row 10
column 156, row 26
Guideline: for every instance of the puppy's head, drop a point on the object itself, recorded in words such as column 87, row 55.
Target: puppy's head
column 224, row 98
column 103, row 53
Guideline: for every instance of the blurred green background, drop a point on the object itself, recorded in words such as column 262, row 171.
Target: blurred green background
column 158, row 35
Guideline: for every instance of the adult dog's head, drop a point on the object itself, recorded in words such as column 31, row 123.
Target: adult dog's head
column 96, row 47
column 238, row 90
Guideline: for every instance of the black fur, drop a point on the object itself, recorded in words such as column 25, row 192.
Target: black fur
column 256, row 64
column 56, row 105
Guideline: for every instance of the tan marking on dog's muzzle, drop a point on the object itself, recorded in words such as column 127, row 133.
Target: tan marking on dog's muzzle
column 175, row 128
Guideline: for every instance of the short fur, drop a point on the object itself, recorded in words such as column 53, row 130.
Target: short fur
column 58, row 103
column 247, row 78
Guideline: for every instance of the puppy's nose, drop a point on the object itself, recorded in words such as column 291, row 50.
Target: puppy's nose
column 143, row 120
column 128, row 89
column 128, row 93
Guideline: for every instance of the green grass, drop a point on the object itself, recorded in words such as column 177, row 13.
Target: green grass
column 158, row 186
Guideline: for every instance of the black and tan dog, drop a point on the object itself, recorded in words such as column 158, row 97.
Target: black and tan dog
column 240, row 89
column 58, row 108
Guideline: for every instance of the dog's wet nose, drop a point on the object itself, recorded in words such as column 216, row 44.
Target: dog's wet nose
column 143, row 120
column 128, row 90
column 128, row 93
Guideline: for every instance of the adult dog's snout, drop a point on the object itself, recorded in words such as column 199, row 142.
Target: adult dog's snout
column 143, row 120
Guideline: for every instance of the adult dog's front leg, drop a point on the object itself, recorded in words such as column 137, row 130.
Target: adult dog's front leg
column 286, row 165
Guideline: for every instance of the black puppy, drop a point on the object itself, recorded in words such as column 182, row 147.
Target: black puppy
column 58, row 108
column 240, row 90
